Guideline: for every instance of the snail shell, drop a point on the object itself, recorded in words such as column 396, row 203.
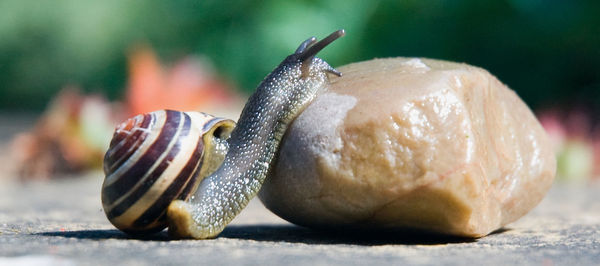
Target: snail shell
column 156, row 158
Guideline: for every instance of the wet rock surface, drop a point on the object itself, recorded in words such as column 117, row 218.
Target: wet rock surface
column 62, row 223
column 412, row 143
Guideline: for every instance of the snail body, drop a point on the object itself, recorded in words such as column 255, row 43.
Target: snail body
column 250, row 151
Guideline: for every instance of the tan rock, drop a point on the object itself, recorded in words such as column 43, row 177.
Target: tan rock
column 412, row 143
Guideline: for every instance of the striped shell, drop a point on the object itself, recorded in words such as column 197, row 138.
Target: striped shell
column 156, row 158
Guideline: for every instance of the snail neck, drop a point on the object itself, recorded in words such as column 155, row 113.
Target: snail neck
column 252, row 146
column 254, row 142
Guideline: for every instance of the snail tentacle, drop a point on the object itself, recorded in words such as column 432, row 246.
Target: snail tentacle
column 316, row 48
column 280, row 97
column 305, row 44
column 307, row 53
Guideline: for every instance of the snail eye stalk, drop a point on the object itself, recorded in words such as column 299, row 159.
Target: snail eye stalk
column 312, row 50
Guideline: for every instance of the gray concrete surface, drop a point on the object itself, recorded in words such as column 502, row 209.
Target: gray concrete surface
column 62, row 223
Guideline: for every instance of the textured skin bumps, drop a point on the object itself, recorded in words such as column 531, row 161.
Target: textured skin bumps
column 253, row 144
column 412, row 143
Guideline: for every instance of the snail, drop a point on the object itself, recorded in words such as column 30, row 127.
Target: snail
column 149, row 187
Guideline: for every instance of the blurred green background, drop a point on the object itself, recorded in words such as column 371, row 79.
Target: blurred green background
column 548, row 51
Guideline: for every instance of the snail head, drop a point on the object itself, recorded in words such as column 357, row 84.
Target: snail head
column 307, row 51
column 299, row 77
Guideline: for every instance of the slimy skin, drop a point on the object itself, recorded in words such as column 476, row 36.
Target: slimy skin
column 279, row 98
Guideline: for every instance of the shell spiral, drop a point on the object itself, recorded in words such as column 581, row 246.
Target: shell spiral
column 156, row 158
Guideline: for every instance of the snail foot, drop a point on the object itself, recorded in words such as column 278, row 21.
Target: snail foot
column 181, row 223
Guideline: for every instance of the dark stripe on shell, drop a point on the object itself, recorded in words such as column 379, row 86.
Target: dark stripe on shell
column 180, row 187
column 139, row 192
column 115, row 157
column 193, row 184
column 131, row 177
column 129, row 146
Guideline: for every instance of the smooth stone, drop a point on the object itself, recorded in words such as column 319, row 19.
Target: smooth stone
column 412, row 143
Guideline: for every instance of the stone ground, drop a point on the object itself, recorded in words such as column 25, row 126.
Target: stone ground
column 61, row 223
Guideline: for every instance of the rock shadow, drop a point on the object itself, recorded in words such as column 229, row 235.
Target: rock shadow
column 287, row 233
column 296, row 234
